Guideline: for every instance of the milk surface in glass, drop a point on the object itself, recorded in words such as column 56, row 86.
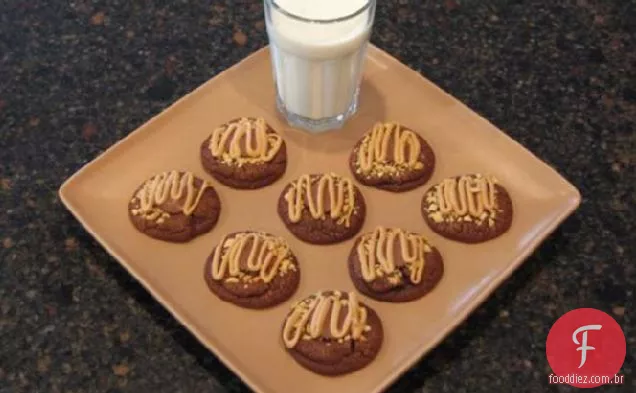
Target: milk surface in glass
column 317, row 49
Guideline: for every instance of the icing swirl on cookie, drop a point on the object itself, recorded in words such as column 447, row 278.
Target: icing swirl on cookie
column 321, row 315
column 466, row 195
column 339, row 190
column 376, row 156
column 470, row 198
column 251, row 253
column 165, row 187
column 376, row 253
column 245, row 141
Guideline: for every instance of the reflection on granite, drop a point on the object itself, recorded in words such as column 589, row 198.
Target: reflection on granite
column 77, row 76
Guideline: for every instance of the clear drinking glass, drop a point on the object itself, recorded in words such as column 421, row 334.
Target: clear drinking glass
column 318, row 49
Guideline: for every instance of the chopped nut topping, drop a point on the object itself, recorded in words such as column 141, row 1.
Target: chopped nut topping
column 437, row 217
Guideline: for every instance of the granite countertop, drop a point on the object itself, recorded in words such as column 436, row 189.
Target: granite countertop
column 76, row 76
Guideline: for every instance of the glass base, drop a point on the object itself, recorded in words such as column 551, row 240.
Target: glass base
column 317, row 125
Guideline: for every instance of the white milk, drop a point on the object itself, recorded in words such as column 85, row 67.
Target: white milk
column 317, row 67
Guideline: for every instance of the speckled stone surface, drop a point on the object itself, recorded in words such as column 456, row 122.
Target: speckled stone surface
column 76, row 76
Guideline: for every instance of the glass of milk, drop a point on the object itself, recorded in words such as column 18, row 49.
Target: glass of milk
column 318, row 50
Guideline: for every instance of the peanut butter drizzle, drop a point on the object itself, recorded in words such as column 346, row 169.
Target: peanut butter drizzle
column 341, row 198
column 267, row 262
column 310, row 317
column 376, row 147
column 375, row 251
column 468, row 194
column 170, row 185
column 267, row 144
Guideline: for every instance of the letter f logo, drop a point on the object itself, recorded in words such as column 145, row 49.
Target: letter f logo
column 581, row 368
column 584, row 347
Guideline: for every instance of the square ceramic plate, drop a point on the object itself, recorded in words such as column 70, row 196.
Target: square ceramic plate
column 249, row 341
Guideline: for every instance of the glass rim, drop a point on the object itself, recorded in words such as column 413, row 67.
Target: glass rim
column 321, row 21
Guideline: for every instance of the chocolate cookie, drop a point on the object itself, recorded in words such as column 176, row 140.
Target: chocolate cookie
column 471, row 208
column 392, row 157
column 174, row 206
column 253, row 270
column 245, row 153
column 332, row 333
column 322, row 208
column 394, row 265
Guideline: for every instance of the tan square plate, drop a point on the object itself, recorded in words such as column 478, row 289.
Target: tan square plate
column 249, row 341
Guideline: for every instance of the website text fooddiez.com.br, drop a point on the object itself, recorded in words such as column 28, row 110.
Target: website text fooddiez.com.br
column 586, row 379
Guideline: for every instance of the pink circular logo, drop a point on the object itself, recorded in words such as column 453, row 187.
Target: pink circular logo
column 586, row 348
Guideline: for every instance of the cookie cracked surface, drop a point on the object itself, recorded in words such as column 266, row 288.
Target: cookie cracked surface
column 394, row 265
column 174, row 206
column 392, row 157
column 471, row 208
column 244, row 153
column 252, row 269
column 322, row 208
column 332, row 333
